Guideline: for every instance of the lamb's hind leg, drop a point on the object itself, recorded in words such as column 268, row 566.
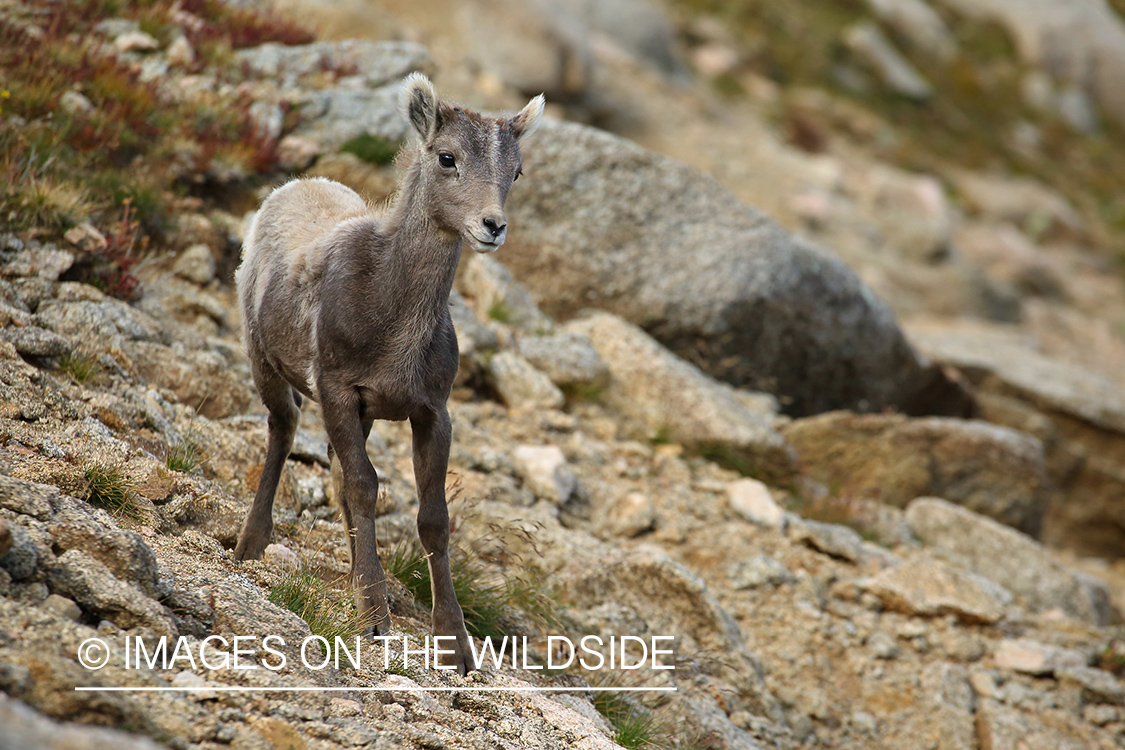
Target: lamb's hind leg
column 357, row 490
column 432, row 434
column 283, row 404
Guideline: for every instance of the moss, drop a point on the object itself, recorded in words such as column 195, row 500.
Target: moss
column 372, row 148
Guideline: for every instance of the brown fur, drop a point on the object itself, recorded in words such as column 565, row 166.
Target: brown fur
column 349, row 307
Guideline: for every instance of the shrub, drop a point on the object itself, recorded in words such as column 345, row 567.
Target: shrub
column 111, row 489
column 327, row 609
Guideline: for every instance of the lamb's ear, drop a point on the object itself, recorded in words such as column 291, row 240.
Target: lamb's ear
column 525, row 123
column 419, row 104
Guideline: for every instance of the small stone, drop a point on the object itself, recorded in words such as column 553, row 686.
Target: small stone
column 632, row 515
column 282, row 556
column 225, row 734
column 752, row 501
column 962, row 647
column 267, row 119
column 930, row 588
column 22, row 559
column 568, row 359
column 136, row 41
column 865, row 723
column 1035, row 658
column 6, row 540
column 180, row 52
column 714, row 59
column 295, row 153
column 196, row 264
column 1101, row 714
column 883, row 646
column 545, row 471
column 759, row 571
column 984, row 684
column 1077, row 110
column 1098, row 686
column 48, row 262
column 186, row 679
column 520, row 385
column 86, row 237
column 74, row 103
column 60, row 605
column 829, row 538
column 344, row 707
column 33, row 341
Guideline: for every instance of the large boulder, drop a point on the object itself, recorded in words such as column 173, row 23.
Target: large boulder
column 1078, row 414
column 993, row 470
column 1009, row 558
column 601, row 222
column 673, row 400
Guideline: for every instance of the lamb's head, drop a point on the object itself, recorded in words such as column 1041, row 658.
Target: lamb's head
column 467, row 162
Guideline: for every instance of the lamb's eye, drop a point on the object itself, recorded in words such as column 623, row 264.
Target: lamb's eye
column 446, row 160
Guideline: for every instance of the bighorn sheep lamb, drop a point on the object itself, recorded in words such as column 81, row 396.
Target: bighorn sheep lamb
column 350, row 307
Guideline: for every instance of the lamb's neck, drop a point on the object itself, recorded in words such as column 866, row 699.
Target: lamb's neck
column 424, row 259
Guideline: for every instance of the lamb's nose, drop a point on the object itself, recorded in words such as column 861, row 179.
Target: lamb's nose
column 494, row 226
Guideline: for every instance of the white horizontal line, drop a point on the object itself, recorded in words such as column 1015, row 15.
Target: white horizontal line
column 392, row 688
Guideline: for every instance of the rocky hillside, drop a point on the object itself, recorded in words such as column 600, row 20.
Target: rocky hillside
column 768, row 365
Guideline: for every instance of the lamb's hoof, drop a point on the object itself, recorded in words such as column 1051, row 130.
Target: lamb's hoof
column 250, row 550
column 456, row 655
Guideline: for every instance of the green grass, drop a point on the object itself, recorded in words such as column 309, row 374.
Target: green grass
column 584, row 391
column 635, row 727
column 81, row 367
column 1112, row 658
column 401, row 666
column 492, row 603
column 372, row 148
column 185, row 456
column 500, row 312
column 733, row 459
column 111, row 489
column 329, row 611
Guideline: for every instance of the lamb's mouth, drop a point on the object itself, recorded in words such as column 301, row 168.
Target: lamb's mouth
column 481, row 246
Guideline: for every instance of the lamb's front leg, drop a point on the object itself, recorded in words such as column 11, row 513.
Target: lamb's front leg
column 358, row 491
column 431, row 461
